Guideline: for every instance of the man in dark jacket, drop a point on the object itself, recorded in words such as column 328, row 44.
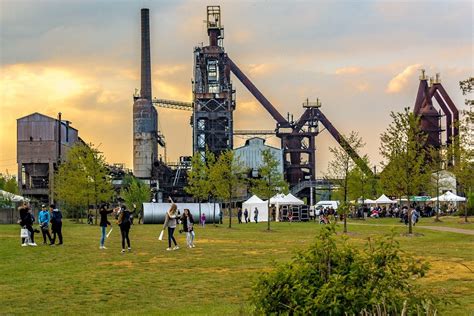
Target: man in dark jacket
column 56, row 224
column 239, row 215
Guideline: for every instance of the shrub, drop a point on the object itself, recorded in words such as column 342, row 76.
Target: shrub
column 334, row 278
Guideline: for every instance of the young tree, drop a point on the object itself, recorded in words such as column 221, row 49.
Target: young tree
column 198, row 179
column 339, row 169
column 403, row 150
column 463, row 153
column 270, row 181
column 136, row 193
column 227, row 175
column 8, row 183
column 83, row 178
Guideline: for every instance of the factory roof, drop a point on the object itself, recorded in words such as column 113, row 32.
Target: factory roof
column 247, row 142
column 64, row 122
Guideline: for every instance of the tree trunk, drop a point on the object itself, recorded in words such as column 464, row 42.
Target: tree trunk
column 199, row 201
column 345, row 223
column 268, row 208
column 410, row 224
column 230, row 213
column 214, row 217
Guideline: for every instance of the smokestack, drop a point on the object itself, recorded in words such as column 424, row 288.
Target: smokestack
column 145, row 92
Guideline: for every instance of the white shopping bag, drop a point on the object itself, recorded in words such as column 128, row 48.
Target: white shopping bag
column 24, row 233
column 161, row 235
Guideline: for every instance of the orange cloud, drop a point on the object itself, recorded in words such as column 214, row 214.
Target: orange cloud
column 400, row 81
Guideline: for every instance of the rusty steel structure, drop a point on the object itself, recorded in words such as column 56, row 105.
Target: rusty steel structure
column 430, row 118
column 213, row 96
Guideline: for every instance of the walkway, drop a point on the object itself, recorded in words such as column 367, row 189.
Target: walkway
column 438, row 228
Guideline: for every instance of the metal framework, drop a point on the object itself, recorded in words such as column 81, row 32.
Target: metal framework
column 213, row 96
column 430, row 118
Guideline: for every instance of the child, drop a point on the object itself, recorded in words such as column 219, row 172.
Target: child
column 203, row 219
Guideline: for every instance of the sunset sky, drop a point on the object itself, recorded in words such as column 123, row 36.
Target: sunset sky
column 361, row 58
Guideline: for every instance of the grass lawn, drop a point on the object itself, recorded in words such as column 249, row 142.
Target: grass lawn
column 213, row 279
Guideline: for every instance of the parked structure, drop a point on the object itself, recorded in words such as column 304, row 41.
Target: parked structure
column 42, row 143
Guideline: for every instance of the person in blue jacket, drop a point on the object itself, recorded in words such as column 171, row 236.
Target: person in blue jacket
column 57, row 224
column 44, row 219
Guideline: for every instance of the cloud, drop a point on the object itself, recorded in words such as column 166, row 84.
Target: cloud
column 261, row 69
column 348, row 71
column 400, row 81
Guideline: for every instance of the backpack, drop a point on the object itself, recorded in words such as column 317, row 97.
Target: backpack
column 126, row 217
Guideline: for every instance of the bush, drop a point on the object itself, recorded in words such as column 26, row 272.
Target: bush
column 334, row 278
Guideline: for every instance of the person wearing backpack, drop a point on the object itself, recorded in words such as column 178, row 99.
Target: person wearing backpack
column 124, row 223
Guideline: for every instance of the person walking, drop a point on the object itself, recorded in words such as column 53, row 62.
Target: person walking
column 255, row 215
column 188, row 227
column 56, row 224
column 246, row 216
column 104, row 222
column 26, row 221
column 203, row 219
column 239, row 215
column 124, row 221
column 43, row 220
column 170, row 224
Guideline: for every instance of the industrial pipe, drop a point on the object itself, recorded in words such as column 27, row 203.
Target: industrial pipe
column 257, row 94
column 154, row 213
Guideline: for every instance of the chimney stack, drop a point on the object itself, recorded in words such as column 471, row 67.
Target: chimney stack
column 145, row 92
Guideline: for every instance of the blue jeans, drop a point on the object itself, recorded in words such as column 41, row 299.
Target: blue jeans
column 102, row 239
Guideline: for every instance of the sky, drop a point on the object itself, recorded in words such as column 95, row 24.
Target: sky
column 360, row 58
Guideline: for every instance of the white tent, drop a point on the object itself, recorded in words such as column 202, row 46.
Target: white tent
column 290, row 198
column 383, row 199
column 251, row 204
column 449, row 197
column 366, row 201
column 12, row 197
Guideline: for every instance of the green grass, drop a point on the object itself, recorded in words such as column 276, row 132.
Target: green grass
column 213, row 279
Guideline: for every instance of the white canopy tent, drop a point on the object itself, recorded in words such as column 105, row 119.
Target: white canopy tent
column 251, row 204
column 366, row 201
column 290, row 198
column 383, row 199
column 449, row 197
column 13, row 197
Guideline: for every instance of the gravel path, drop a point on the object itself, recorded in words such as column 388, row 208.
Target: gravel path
column 438, row 228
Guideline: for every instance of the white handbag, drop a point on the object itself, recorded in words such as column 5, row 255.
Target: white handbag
column 24, row 233
column 161, row 235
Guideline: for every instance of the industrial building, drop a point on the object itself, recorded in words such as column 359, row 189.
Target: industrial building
column 42, row 143
column 250, row 155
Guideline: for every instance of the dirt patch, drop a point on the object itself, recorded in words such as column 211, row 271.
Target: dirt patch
column 443, row 270
column 161, row 260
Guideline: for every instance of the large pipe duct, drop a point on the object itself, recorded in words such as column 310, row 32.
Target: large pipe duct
column 154, row 213
column 145, row 92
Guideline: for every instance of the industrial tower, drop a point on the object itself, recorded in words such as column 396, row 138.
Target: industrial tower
column 145, row 116
column 213, row 96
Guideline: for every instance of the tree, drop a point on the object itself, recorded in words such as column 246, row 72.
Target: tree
column 83, row 178
column 333, row 277
column 136, row 193
column 227, row 175
column 8, row 183
column 199, row 184
column 404, row 153
column 270, row 181
column 339, row 169
column 463, row 149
